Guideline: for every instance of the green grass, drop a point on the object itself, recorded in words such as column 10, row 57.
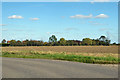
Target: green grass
column 62, row 56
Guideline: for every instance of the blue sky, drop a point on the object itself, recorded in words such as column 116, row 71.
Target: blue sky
column 73, row 21
column 60, row 0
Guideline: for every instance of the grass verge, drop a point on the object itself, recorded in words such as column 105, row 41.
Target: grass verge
column 63, row 56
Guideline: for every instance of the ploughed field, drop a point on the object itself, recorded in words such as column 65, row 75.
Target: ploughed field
column 69, row 49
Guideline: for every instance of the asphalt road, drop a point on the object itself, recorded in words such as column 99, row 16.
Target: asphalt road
column 41, row 68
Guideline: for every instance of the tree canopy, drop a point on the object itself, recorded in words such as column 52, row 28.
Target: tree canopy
column 62, row 42
column 87, row 41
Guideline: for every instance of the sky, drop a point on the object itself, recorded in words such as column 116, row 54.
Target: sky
column 60, row 0
column 70, row 20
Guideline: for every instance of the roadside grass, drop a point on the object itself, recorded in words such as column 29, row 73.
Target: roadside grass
column 109, row 59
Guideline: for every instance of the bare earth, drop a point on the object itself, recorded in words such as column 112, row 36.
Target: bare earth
column 73, row 49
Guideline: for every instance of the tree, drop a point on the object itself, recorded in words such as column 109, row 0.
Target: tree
column 40, row 43
column 114, row 43
column 62, row 41
column 107, row 42
column 104, row 41
column 25, row 42
column 93, row 42
column 45, row 43
column 102, row 38
column 97, row 41
column 53, row 40
column 87, row 41
column 69, row 42
column 12, row 43
column 19, row 43
column 3, row 41
column 31, row 43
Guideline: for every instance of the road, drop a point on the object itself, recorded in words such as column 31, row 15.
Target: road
column 43, row 68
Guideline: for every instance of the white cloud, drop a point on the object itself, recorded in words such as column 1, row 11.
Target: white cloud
column 82, row 16
column 89, row 16
column 3, row 24
column 102, row 16
column 70, row 0
column 15, row 17
column 34, row 19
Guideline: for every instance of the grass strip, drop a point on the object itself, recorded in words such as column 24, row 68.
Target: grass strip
column 67, row 57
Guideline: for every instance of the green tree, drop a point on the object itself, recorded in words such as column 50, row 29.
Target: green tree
column 53, row 40
column 102, row 38
column 93, row 42
column 40, row 43
column 107, row 42
column 87, row 41
column 69, row 42
column 62, row 41
column 114, row 43
column 45, row 43
column 3, row 41
column 104, row 41
column 97, row 41
column 13, row 43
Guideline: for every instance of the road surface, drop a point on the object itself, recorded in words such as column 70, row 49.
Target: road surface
column 42, row 68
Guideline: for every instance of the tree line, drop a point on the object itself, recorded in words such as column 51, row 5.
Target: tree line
column 54, row 42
